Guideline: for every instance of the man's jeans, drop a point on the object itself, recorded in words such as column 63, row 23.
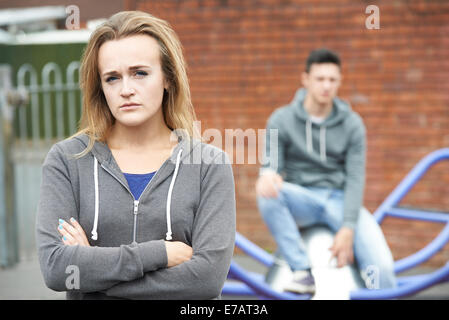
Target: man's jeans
column 298, row 206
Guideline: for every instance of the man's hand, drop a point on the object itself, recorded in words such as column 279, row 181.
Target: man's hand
column 268, row 184
column 177, row 253
column 343, row 247
column 72, row 234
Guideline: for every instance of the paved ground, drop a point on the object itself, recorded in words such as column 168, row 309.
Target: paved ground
column 24, row 281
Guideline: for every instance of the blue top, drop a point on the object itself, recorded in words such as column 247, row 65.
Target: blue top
column 138, row 181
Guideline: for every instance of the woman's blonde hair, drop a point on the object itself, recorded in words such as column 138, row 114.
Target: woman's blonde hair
column 97, row 119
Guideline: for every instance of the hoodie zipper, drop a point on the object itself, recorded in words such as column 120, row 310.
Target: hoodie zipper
column 135, row 202
column 136, row 208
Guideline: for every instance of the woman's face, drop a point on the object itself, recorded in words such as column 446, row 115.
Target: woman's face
column 132, row 79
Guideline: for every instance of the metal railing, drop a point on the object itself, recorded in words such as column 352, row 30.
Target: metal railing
column 412, row 284
column 53, row 111
column 250, row 283
column 49, row 113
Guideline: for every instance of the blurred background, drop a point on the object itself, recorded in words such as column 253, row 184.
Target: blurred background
column 245, row 59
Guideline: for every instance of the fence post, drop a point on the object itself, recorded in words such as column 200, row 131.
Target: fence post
column 9, row 245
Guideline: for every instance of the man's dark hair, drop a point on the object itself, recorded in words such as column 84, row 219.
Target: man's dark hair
column 322, row 55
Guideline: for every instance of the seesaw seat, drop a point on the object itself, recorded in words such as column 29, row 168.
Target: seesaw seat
column 331, row 282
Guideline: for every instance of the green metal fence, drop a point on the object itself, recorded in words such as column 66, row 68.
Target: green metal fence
column 49, row 74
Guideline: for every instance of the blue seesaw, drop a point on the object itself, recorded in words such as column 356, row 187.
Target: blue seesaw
column 246, row 283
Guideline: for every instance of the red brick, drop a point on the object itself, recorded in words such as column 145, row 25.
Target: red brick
column 245, row 59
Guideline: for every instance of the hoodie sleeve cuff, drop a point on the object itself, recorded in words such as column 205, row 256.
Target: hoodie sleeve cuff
column 265, row 171
column 153, row 255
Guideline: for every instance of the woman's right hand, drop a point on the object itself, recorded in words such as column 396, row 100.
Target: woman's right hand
column 177, row 252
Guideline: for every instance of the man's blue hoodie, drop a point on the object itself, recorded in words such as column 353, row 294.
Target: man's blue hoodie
column 330, row 154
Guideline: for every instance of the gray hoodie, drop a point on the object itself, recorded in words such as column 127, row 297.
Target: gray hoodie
column 329, row 155
column 190, row 199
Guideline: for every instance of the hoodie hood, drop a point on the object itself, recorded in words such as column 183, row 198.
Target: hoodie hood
column 339, row 113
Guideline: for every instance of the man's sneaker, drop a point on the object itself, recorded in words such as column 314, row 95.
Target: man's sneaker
column 302, row 282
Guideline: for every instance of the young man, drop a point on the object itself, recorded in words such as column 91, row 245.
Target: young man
column 316, row 175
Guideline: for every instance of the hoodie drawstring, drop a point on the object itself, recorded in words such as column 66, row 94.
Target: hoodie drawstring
column 170, row 190
column 322, row 140
column 309, row 136
column 94, row 230
column 323, row 143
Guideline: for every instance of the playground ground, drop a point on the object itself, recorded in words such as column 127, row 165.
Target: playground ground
column 24, row 282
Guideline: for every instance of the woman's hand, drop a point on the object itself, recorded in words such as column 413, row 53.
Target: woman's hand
column 177, row 253
column 72, row 234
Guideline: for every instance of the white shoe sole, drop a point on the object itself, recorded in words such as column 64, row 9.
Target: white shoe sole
column 299, row 288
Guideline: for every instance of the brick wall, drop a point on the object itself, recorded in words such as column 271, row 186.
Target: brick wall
column 88, row 9
column 245, row 60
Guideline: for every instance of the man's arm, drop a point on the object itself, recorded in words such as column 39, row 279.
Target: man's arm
column 355, row 176
column 270, row 179
column 342, row 247
column 273, row 160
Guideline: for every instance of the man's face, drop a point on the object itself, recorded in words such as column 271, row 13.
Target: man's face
column 322, row 82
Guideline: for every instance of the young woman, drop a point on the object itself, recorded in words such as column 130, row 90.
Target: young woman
column 133, row 205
